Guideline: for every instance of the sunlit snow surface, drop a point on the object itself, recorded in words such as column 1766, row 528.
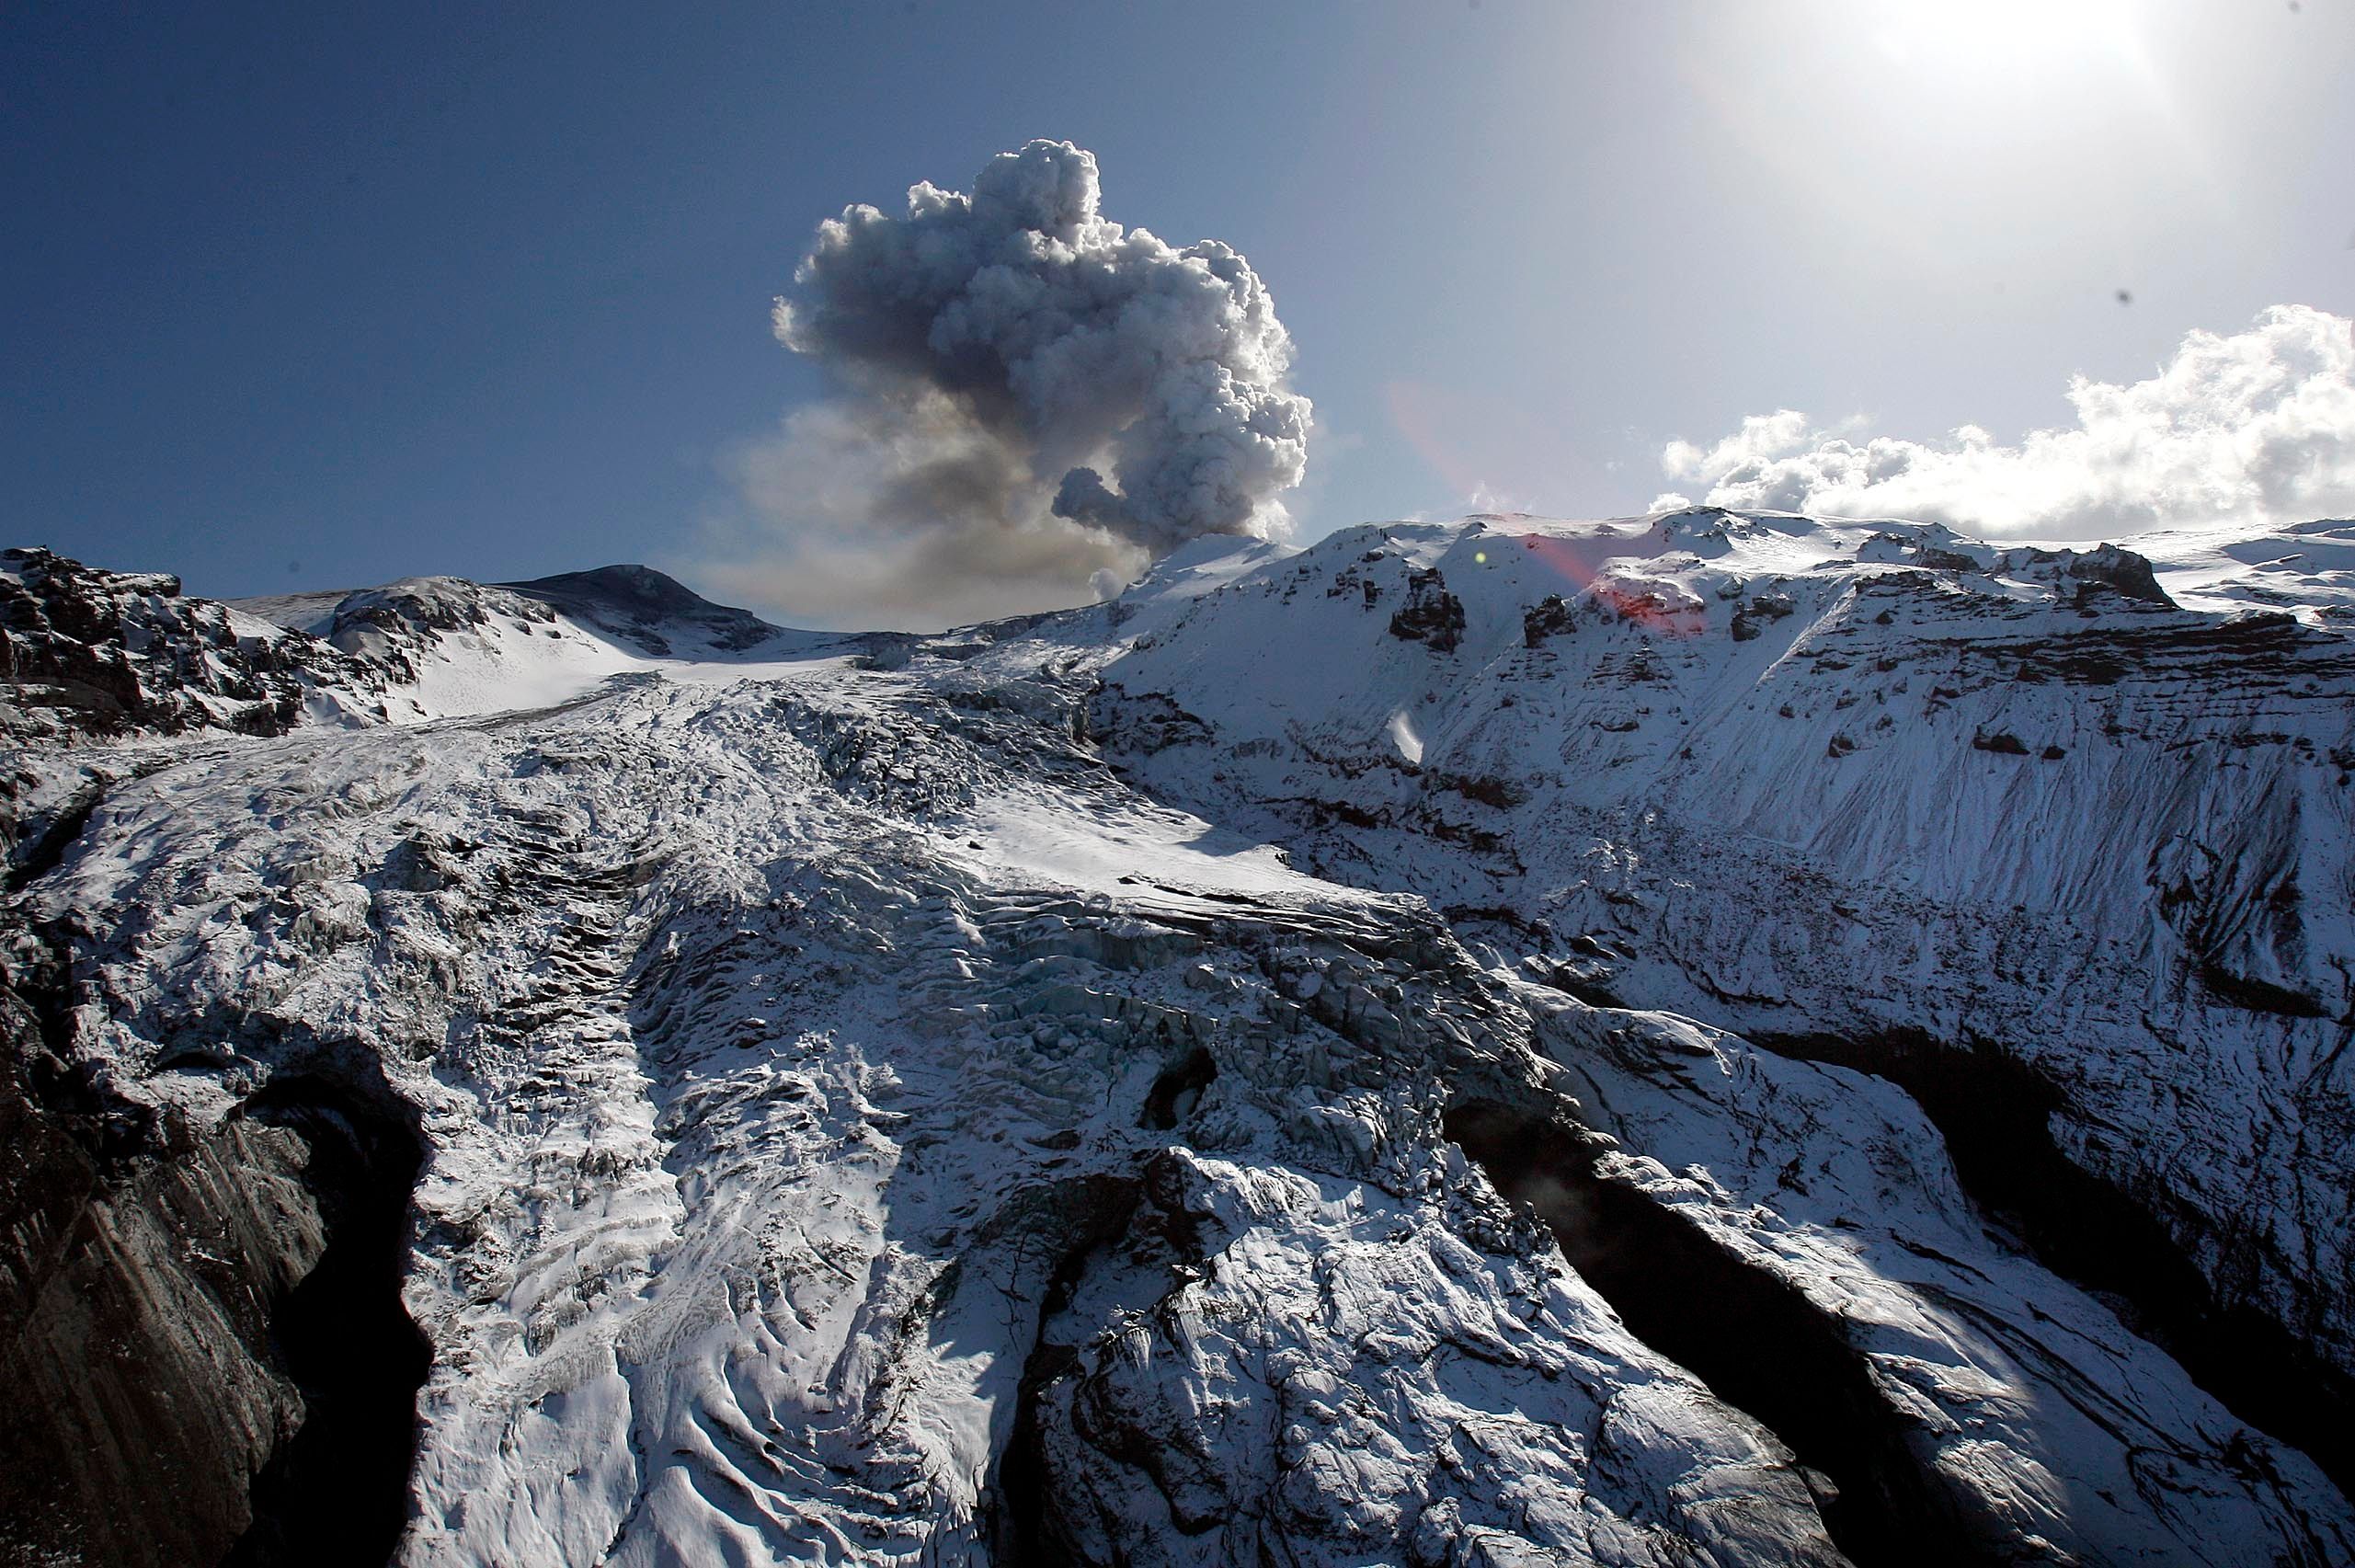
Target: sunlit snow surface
column 795, row 1041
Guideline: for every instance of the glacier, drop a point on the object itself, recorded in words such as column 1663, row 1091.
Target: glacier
column 1714, row 1037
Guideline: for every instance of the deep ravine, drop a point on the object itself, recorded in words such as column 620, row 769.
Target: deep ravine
column 1755, row 1341
column 1995, row 1114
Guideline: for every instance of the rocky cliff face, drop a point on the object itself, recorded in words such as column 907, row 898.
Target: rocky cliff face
column 2002, row 826
column 763, row 1097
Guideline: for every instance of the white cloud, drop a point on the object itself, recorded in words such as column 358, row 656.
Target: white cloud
column 2258, row 426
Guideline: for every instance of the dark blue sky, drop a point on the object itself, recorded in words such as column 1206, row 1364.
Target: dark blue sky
column 319, row 296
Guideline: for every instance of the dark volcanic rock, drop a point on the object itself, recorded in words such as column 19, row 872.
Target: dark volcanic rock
column 1753, row 617
column 1549, row 617
column 1432, row 615
column 639, row 602
column 207, row 1358
column 85, row 652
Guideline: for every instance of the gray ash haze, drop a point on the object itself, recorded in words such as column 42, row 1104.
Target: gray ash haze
column 1029, row 403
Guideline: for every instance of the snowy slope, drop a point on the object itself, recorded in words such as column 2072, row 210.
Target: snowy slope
column 97, row 668
column 1850, row 787
column 2307, row 570
column 455, row 647
column 775, row 1047
column 853, row 1123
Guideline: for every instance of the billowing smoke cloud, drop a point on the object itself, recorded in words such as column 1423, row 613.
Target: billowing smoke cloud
column 1029, row 403
column 2258, row 426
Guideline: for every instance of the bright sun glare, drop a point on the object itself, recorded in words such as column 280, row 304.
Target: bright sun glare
column 1988, row 35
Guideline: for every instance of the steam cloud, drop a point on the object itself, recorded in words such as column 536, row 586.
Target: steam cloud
column 2258, row 426
column 1030, row 403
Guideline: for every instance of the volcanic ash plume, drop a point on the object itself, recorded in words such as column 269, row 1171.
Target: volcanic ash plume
column 1028, row 383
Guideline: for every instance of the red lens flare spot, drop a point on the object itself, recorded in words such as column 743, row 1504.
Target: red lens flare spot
column 1655, row 606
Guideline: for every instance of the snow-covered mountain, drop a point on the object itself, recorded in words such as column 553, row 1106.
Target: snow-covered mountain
column 1857, row 791
column 1711, row 1038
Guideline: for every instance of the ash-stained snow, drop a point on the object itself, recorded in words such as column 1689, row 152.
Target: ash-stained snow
column 1042, row 1092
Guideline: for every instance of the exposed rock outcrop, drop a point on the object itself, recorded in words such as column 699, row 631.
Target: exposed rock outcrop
column 1071, row 1092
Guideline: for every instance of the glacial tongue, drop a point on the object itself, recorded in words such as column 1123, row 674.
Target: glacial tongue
column 817, row 1109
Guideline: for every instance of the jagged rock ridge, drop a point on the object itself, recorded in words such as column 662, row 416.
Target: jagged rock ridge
column 855, row 1123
